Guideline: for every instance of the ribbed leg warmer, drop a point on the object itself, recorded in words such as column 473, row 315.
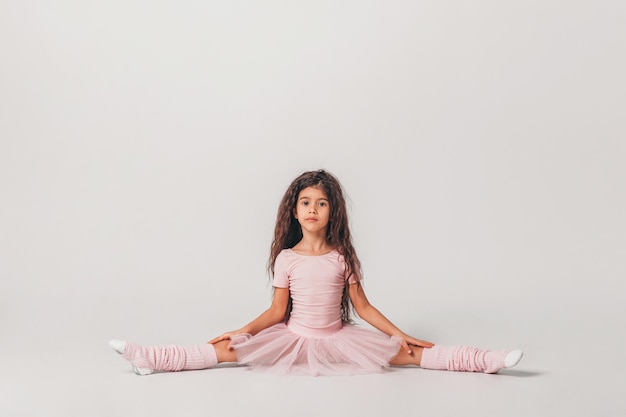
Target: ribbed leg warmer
column 463, row 358
column 169, row 358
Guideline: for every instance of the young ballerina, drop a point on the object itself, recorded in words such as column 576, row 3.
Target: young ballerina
column 307, row 328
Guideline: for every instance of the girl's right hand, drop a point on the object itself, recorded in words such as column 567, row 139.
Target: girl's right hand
column 226, row 336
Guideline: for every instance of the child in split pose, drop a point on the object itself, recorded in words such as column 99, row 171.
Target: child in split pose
column 307, row 328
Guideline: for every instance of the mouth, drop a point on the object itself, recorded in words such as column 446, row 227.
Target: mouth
column 311, row 219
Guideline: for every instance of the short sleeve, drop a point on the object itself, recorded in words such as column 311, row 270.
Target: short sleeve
column 355, row 276
column 281, row 280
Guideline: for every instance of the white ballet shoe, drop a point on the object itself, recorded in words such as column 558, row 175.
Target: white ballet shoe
column 118, row 345
column 512, row 358
column 142, row 371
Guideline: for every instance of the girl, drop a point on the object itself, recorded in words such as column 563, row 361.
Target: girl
column 307, row 328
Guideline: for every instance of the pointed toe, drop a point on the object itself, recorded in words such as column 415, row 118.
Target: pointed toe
column 512, row 358
column 118, row 345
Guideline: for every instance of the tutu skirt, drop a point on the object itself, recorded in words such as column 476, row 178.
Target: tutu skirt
column 340, row 349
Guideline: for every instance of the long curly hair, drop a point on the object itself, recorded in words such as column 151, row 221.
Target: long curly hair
column 288, row 231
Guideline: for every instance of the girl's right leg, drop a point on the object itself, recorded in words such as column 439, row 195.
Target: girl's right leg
column 147, row 359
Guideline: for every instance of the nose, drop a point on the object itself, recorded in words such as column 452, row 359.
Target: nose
column 312, row 208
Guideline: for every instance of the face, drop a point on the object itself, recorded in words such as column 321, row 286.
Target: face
column 312, row 210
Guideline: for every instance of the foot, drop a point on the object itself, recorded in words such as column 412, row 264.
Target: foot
column 512, row 358
column 120, row 347
column 142, row 371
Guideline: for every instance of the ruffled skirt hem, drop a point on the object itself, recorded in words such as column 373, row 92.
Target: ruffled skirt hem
column 350, row 350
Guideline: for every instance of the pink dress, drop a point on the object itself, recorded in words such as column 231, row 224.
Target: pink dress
column 315, row 341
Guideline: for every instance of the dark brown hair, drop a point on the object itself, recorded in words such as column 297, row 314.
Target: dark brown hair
column 288, row 232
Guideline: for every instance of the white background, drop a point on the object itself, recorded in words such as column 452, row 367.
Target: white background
column 145, row 145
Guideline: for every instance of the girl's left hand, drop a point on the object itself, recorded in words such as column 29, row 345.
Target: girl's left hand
column 408, row 341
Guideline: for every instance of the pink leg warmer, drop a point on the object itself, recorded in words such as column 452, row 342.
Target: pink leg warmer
column 463, row 358
column 170, row 358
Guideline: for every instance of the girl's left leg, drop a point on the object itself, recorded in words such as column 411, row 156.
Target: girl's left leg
column 404, row 358
column 458, row 358
column 147, row 359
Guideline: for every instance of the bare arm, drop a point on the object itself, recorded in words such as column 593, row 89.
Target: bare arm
column 370, row 314
column 274, row 314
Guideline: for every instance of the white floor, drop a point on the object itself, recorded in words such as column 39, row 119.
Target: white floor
column 557, row 377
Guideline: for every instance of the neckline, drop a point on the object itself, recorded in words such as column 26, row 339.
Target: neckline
column 312, row 256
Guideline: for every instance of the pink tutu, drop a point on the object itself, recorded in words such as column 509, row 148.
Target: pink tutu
column 340, row 349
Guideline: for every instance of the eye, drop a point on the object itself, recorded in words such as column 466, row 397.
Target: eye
column 305, row 203
column 322, row 204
